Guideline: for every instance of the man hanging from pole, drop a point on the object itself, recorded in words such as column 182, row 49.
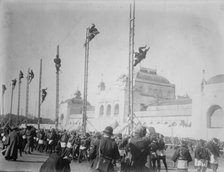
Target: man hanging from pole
column 20, row 76
column 30, row 76
column 3, row 93
column 57, row 62
column 3, row 89
column 13, row 83
column 44, row 94
column 92, row 33
column 139, row 56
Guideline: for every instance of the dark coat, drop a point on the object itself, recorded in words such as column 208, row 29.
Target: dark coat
column 201, row 153
column 139, row 148
column 94, row 149
column 55, row 163
column 182, row 153
column 12, row 144
column 64, row 137
column 109, row 150
column 213, row 148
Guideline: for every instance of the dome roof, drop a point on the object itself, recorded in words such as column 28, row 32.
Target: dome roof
column 151, row 75
column 216, row 79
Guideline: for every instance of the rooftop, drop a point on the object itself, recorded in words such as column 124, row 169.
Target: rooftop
column 216, row 79
column 151, row 75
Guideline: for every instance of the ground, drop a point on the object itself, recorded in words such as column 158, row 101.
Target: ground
column 32, row 163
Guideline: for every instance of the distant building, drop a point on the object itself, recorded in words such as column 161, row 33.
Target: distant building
column 150, row 89
column 155, row 104
column 154, row 101
column 212, row 103
column 71, row 110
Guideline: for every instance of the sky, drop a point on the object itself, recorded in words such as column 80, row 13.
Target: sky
column 185, row 37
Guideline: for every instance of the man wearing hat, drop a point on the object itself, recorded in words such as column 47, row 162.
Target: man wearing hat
column 12, row 143
column 182, row 156
column 106, row 153
column 214, row 150
column 139, row 148
column 56, row 163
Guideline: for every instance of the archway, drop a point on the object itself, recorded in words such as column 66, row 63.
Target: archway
column 215, row 117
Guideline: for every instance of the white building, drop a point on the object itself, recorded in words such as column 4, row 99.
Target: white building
column 155, row 104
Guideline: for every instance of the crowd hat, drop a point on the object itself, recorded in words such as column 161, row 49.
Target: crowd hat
column 215, row 140
column 183, row 143
column 108, row 130
column 151, row 130
column 98, row 134
column 140, row 131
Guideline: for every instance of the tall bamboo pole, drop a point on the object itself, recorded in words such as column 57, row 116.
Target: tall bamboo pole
column 39, row 95
column 19, row 95
column 3, row 100
column 85, row 82
column 57, row 62
column 27, row 95
column 11, row 98
column 131, row 69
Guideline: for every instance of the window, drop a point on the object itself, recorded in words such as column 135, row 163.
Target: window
column 101, row 110
column 108, row 110
column 116, row 110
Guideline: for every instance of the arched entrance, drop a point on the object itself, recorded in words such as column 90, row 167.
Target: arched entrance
column 215, row 117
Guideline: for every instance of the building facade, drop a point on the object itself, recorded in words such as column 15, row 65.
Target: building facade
column 212, row 103
column 155, row 104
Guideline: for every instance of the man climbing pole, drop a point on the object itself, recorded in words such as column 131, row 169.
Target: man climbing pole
column 92, row 32
column 44, row 94
column 139, row 56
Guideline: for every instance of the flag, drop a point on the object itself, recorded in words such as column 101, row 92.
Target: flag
column 3, row 89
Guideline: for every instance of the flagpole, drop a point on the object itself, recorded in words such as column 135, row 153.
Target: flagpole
column 39, row 95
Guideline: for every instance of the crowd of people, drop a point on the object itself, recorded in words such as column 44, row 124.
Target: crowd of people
column 142, row 151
